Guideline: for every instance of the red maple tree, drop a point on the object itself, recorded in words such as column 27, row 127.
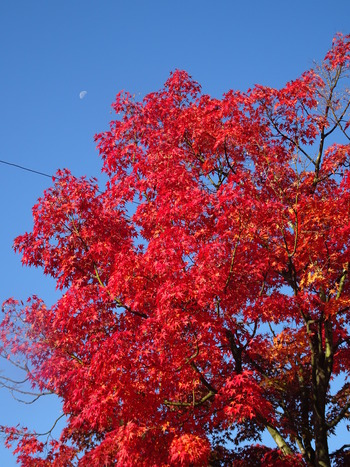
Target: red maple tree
column 205, row 291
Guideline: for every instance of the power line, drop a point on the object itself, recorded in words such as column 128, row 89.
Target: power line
column 26, row 168
column 40, row 173
column 32, row 170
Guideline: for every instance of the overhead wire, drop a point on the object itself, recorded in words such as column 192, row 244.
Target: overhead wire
column 32, row 170
column 40, row 173
column 45, row 175
column 26, row 168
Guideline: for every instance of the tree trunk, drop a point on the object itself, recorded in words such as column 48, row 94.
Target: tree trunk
column 322, row 364
column 321, row 434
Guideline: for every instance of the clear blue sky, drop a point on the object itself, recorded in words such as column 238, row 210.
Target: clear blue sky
column 52, row 50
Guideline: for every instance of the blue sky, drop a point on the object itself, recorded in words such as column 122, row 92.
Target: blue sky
column 51, row 51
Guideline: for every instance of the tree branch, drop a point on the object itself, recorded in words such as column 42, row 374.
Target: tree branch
column 281, row 443
column 344, row 411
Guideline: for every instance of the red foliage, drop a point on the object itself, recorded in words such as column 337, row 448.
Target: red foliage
column 205, row 287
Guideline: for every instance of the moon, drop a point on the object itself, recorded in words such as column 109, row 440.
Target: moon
column 82, row 94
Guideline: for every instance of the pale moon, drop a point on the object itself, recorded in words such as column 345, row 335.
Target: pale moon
column 82, row 94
